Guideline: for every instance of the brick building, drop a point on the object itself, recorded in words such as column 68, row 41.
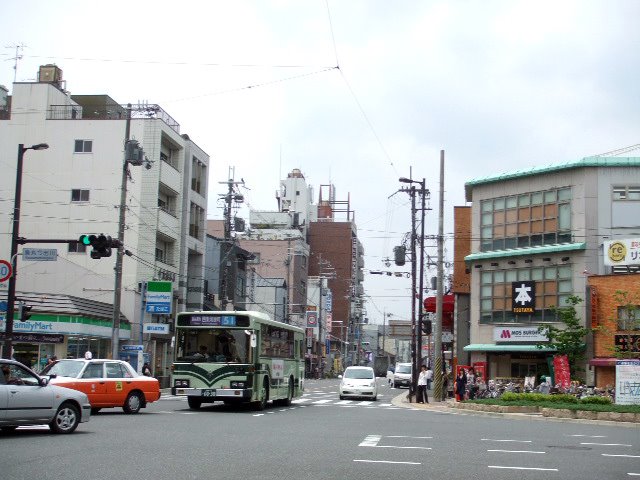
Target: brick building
column 612, row 323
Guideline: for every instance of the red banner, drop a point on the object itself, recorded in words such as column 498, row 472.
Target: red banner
column 561, row 370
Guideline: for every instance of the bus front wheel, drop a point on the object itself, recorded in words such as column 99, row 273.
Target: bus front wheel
column 261, row 404
column 194, row 403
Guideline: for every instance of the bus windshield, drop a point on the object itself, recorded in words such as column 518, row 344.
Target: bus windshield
column 213, row 345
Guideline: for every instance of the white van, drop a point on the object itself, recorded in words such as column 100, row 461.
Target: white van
column 402, row 375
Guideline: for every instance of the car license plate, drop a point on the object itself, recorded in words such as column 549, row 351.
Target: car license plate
column 208, row 393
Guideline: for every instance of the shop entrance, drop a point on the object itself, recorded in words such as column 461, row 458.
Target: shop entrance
column 27, row 354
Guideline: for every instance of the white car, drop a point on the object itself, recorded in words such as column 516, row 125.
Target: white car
column 27, row 399
column 358, row 382
column 402, row 375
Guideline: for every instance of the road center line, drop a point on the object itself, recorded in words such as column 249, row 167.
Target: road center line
column 515, row 451
column 525, row 468
column 387, row 461
column 496, row 440
column 607, row 444
column 621, row 455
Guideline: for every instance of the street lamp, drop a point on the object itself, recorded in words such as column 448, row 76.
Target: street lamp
column 11, row 292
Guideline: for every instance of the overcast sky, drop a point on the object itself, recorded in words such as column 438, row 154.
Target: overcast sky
column 355, row 93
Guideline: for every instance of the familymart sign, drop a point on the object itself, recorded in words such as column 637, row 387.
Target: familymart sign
column 159, row 297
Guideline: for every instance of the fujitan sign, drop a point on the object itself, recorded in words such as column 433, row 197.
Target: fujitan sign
column 518, row 334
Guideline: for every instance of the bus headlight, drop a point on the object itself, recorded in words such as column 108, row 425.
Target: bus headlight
column 237, row 384
column 181, row 383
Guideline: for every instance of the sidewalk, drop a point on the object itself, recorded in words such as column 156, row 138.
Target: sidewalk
column 450, row 405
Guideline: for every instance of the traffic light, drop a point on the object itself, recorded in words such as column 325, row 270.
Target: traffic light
column 426, row 327
column 101, row 244
column 24, row 312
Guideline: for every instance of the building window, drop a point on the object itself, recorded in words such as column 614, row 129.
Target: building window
column 166, row 203
column 626, row 193
column 78, row 195
column 553, row 286
column 526, row 220
column 77, row 248
column 196, row 221
column 629, row 317
column 83, row 146
column 198, row 176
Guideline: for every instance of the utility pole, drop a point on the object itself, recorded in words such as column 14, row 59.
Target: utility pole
column 423, row 194
column 117, row 294
column 437, row 330
column 227, row 250
column 414, row 332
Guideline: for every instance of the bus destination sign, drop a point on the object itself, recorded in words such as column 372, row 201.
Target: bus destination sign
column 212, row 321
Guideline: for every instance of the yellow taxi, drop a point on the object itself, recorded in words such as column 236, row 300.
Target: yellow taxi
column 107, row 383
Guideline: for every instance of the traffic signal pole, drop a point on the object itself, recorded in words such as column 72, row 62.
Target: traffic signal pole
column 117, row 294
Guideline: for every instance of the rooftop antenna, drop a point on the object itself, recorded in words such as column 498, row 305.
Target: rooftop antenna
column 19, row 48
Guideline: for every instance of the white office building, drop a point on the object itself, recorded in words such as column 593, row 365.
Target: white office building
column 74, row 188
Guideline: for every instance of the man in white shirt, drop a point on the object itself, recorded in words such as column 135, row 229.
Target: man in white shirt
column 429, row 378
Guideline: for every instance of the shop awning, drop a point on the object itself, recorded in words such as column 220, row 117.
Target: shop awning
column 492, row 347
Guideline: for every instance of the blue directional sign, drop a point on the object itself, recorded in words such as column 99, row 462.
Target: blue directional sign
column 3, row 306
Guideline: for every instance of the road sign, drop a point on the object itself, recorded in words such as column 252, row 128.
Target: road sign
column 40, row 254
column 5, row 270
column 159, row 296
column 3, row 306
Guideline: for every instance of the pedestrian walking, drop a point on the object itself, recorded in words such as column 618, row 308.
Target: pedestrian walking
column 422, row 386
column 471, row 383
column 146, row 370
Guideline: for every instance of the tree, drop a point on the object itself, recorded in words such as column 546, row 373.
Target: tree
column 570, row 340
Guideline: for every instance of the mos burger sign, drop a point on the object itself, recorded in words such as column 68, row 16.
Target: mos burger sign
column 518, row 334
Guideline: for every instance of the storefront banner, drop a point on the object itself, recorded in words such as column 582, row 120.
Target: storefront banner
column 34, row 338
column 518, row 334
column 64, row 328
column 628, row 382
column 622, row 252
column 562, row 374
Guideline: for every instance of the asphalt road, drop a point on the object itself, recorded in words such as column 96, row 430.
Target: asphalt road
column 319, row 437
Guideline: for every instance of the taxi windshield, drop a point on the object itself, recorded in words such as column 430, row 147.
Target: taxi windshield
column 358, row 373
column 64, row 368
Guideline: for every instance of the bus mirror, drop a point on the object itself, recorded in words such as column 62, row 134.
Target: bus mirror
column 254, row 340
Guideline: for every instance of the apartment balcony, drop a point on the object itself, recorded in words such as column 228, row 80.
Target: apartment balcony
column 168, row 224
column 170, row 176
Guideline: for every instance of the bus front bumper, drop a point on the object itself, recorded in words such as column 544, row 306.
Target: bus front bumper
column 214, row 394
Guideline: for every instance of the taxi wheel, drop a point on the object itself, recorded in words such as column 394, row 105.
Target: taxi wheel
column 95, row 410
column 195, row 403
column 66, row 419
column 133, row 403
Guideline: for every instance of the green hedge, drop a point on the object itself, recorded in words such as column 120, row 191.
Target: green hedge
column 538, row 397
column 569, row 402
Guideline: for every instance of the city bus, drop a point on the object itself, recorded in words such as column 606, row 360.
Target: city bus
column 237, row 357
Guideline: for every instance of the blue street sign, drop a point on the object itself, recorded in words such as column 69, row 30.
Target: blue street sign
column 3, row 306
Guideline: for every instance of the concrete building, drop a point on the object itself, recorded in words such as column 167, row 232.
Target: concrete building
column 536, row 235
column 74, row 188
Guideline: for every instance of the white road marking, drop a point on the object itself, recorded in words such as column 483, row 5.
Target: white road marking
column 400, row 448
column 634, row 474
column 627, row 456
column 258, row 414
column 317, row 402
column 344, row 402
column 370, row 441
column 365, row 403
column 525, row 468
column 403, row 436
column 505, row 440
column 386, row 404
column 588, row 436
column 607, row 444
column 387, row 461
column 515, row 451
